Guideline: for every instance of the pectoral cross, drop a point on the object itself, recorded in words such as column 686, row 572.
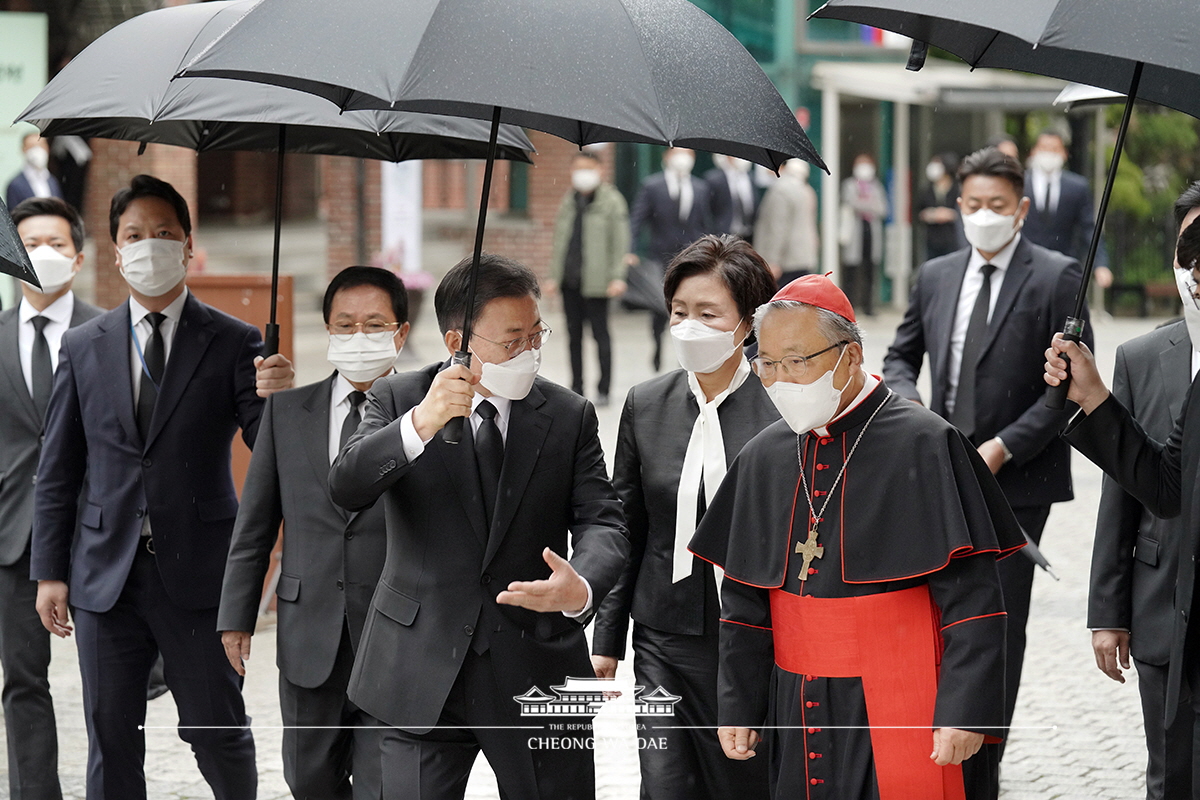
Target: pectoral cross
column 810, row 550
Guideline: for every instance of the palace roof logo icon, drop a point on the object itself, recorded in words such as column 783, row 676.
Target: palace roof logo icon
column 585, row 696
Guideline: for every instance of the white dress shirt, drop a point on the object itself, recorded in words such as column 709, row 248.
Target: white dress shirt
column 339, row 409
column 142, row 329
column 39, row 181
column 680, row 189
column 1046, row 187
column 741, row 193
column 59, row 313
column 414, row 447
column 972, row 283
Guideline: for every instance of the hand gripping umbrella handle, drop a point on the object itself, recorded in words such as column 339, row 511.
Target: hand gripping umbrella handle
column 452, row 430
column 270, row 340
column 1056, row 396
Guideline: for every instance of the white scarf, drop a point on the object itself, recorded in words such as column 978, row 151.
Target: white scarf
column 705, row 458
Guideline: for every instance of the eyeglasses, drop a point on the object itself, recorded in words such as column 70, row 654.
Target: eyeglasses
column 793, row 366
column 1191, row 286
column 517, row 346
column 370, row 326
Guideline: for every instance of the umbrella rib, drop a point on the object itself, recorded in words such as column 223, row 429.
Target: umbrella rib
column 653, row 83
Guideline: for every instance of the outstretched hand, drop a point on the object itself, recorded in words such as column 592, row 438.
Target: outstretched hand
column 564, row 590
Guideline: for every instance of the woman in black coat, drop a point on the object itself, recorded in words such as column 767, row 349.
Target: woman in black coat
column 678, row 433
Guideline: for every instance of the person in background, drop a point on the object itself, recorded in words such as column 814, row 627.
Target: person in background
column 937, row 207
column 677, row 433
column 864, row 208
column 672, row 209
column 591, row 238
column 34, row 179
column 1005, row 144
column 30, row 334
column 785, row 233
column 735, row 199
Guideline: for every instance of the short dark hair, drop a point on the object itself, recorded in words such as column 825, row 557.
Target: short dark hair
column 1187, row 201
column 147, row 186
column 999, row 139
column 51, row 207
column 586, row 154
column 949, row 161
column 352, row 277
column 990, row 161
column 498, row 277
column 1187, row 250
column 1051, row 132
column 740, row 267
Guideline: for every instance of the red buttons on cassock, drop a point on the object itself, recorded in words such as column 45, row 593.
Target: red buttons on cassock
column 811, row 731
column 812, row 570
column 808, row 704
column 815, row 781
column 812, row 756
column 810, row 677
column 818, row 493
column 826, row 439
column 822, row 466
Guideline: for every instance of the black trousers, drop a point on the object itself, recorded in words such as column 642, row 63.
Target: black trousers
column 691, row 765
column 1171, row 769
column 116, row 651
column 28, row 708
column 594, row 311
column 658, row 325
column 531, row 762
column 327, row 739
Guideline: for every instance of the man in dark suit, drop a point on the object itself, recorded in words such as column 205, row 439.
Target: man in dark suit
column 1060, row 203
column 146, row 401
column 673, row 208
column 30, row 333
column 1135, row 556
column 456, row 629
column 983, row 315
column 34, row 179
column 734, row 197
column 331, row 557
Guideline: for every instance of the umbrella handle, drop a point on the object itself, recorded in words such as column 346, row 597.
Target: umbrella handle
column 452, row 431
column 270, row 340
column 1056, row 396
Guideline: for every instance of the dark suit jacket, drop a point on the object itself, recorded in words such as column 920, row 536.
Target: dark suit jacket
column 1165, row 479
column 1069, row 228
column 1135, row 556
column 180, row 474
column 19, row 190
column 1035, row 299
column 656, row 213
column 721, row 202
column 445, row 564
column 331, row 557
column 20, row 436
column 656, row 424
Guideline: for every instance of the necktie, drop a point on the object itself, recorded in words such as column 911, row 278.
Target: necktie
column 43, row 372
column 155, row 356
column 963, row 416
column 350, row 424
column 489, row 455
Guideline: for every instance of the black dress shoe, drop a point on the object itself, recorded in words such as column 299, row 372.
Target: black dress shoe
column 602, row 401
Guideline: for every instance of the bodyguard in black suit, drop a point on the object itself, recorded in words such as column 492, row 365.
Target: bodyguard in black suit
column 1061, row 216
column 331, row 557
column 982, row 315
column 664, row 470
column 29, row 341
column 733, row 196
column 457, row 629
column 146, row 401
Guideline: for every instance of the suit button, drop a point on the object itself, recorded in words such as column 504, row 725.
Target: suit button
column 339, row 584
column 141, row 512
column 468, row 630
column 146, row 462
column 485, row 580
column 349, row 535
column 35, row 480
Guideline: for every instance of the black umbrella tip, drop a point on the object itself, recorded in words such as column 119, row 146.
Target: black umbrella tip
column 916, row 56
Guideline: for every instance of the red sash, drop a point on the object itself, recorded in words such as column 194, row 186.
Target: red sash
column 892, row 642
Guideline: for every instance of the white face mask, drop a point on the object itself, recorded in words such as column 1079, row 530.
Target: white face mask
column 53, row 269
column 513, row 378
column 585, row 181
column 363, row 357
column 1046, row 161
column 1191, row 314
column 153, row 266
column 934, row 171
column 701, row 349
column 864, row 171
column 681, row 163
column 37, row 157
column 805, row 406
column 989, row 232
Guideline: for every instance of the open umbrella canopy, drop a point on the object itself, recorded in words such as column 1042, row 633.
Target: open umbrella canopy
column 120, row 87
column 13, row 258
column 657, row 71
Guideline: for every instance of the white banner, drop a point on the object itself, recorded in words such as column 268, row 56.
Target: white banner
column 402, row 200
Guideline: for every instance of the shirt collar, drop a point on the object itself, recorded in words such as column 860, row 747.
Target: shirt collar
column 1000, row 261
column 138, row 312
column 342, row 388
column 59, row 311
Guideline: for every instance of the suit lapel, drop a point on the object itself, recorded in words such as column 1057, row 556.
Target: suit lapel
column 112, row 354
column 1175, row 360
column 526, row 432
column 191, row 339
column 314, row 427
column 463, row 474
column 10, row 365
column 947, row 309
column 1015, row 276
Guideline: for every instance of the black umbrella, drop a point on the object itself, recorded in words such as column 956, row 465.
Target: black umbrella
column 120, row 87
column 1148, row 49
column 13, row 258
column 657, row 71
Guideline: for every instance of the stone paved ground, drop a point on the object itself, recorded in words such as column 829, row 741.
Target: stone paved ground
column 1078, row 734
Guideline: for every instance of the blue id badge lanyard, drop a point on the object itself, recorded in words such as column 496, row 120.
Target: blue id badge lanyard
column 145, row 369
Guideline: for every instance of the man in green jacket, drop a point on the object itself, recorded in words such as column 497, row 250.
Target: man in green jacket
column 591, row 237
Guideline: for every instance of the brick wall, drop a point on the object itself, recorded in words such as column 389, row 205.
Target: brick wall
column 114, row 164
column 339, row 207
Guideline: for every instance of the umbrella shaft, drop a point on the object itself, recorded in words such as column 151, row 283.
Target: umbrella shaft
column 483, row 204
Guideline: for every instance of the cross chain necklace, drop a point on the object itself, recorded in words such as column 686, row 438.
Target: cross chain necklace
column 810, row 549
